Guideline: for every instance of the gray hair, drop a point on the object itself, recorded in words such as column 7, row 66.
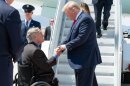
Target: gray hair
column 71, row 5
column 31, row 32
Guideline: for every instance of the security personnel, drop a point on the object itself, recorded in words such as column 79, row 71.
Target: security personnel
column 10, row 41
column 99, row 5
column 28, row 22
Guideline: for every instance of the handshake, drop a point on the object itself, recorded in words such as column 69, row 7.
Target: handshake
column 59, row 50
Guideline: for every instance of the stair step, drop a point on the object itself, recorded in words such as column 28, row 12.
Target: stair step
column 105, row 59
column 70, row 79
column 100, row 70
column 107, row 49
column 105, row 42
column 104, row 69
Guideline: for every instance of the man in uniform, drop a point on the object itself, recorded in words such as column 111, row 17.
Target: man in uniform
column 28, row 22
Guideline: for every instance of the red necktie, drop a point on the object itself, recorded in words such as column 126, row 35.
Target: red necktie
column 73, row 23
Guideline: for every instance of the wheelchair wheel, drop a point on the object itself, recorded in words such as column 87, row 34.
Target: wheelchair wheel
column 15, row 81
column 40, row 83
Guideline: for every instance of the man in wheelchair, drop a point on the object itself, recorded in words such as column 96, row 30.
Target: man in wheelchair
column 35, row 65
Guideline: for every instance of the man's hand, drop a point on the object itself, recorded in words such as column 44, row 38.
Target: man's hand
column 57, row 51
column 62, row 47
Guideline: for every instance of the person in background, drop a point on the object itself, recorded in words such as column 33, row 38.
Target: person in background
column 33, row 55
column 81, row 45
column 85, row 7
column 10, row 42
column 49, row 30
column 28, row 22
column 48, row 33
column 100, row 5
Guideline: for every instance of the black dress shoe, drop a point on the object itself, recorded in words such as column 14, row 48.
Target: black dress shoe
column 99, row 35
column 105, row 26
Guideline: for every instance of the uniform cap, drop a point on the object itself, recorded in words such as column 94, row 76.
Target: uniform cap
column 28, row 8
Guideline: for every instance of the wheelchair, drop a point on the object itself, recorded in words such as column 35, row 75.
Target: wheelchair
column 25, row 77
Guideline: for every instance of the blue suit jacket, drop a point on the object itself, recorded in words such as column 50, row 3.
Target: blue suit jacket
column 33, row 23
column 107, row 1
column 94, row 1
column 10, row 26
column 81, row 43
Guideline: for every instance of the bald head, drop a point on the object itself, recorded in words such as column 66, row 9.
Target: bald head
column 71, row 9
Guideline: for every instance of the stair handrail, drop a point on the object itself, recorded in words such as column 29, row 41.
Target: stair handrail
column 118, row 44
column 57, row 27
column 59, row 19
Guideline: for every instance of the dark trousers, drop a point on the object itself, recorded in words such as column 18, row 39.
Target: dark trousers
column 85, row 77
column 6, row 71
column 98, row 7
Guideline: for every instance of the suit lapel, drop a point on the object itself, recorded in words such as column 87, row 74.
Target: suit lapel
column 23, row 26
column 31, row 23
column 74, row 26
column 76, row 23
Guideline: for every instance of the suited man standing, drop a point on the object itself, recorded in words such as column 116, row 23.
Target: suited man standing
column 48, row 33
column 99, row 5
column 10, row 42
column 49, row 30
column 81, row 45
column 28, row 22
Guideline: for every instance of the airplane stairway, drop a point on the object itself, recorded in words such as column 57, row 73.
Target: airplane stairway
column 105, row 72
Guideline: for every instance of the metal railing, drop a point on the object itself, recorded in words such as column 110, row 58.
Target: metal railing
column 57, row 26
column 118, row 44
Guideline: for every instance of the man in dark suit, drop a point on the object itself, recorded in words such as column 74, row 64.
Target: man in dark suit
column 33, row 55
column 28, row 22
column 99, row 5
column 48, row 33
column 49, row 30
column 10, row 42
column 81, row 44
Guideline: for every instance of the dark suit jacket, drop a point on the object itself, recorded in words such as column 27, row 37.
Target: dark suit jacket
column 47, row 34
column 94, row 1
column 24, row 29
column 10, row 31
column 81, row 42
column 107, row 1
column 41, row 65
